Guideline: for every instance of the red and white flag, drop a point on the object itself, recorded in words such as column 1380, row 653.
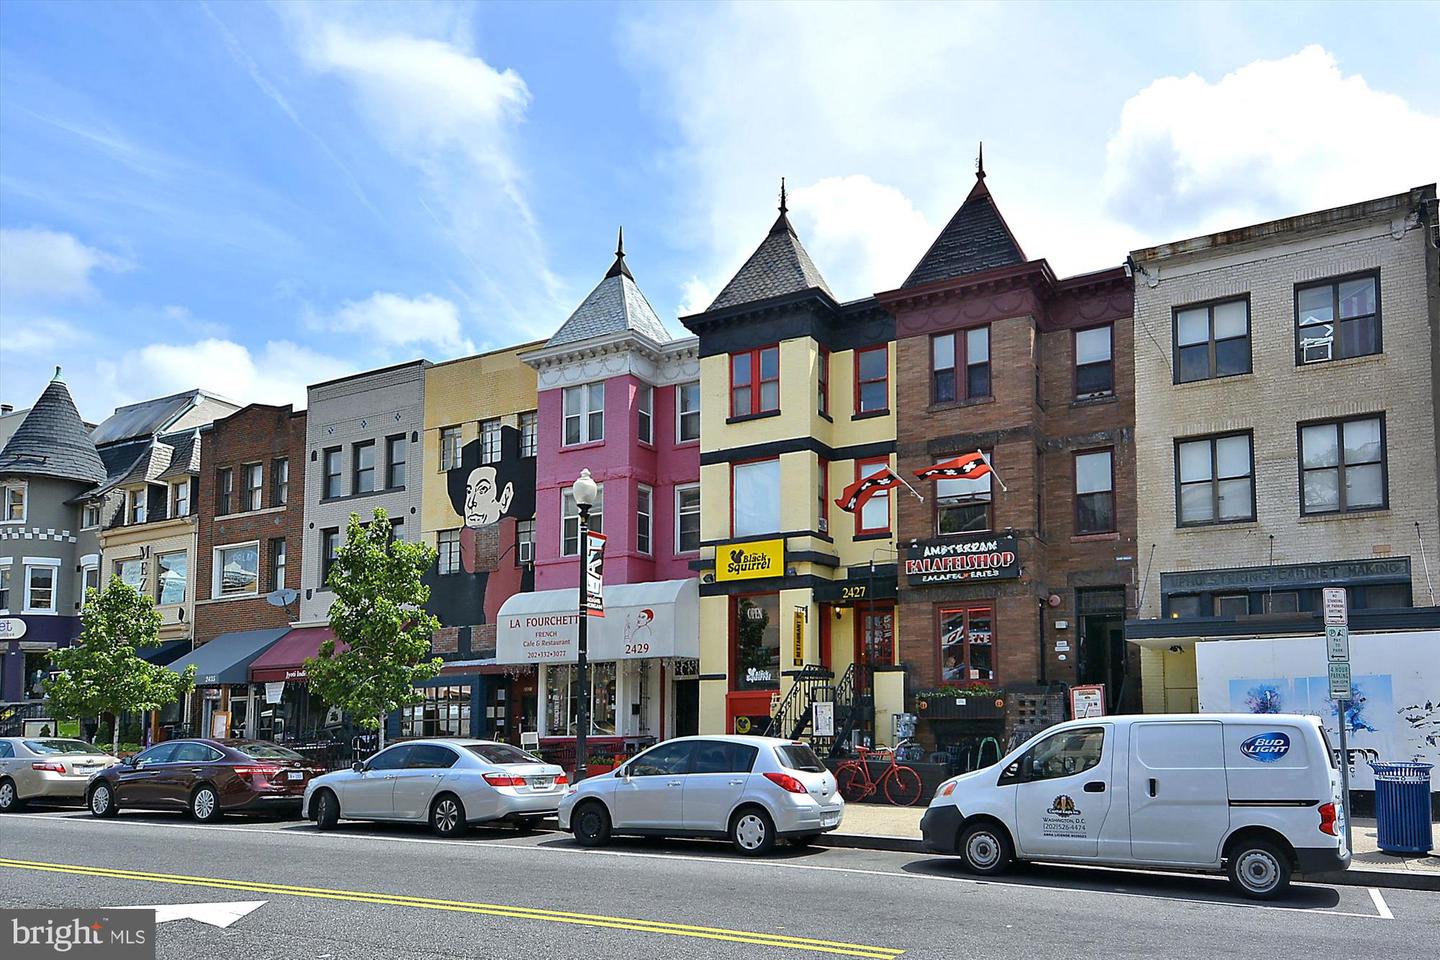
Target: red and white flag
column 968, row 466
column 853, row 497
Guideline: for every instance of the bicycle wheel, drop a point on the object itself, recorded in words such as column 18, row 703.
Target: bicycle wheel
column 902, row 787
column 852, row 781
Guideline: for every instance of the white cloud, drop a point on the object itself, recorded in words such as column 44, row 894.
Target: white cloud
column 867, row 232
column 40, row 264
column 695, row 296
column 389, row 320
column 1272, row 138
column 40, row 335
column 277, row 372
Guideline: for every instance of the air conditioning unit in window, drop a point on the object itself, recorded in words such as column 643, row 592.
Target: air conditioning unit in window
column 526, row 553
column 1316, row 349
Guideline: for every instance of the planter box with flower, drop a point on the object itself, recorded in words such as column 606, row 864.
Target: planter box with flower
column 972, row 702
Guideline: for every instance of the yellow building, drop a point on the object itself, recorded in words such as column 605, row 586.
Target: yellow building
column 797, row 594
column 480, row 438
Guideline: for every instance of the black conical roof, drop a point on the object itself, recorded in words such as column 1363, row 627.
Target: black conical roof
column 52, row 441
column 976, row 239
column 780, row 265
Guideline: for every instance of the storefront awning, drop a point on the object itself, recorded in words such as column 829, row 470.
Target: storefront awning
column 286, row 659
column 642, row 620
column 227, row 658
column 164, row 653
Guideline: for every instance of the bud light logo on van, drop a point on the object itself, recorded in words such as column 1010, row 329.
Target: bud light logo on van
column 1266, row 747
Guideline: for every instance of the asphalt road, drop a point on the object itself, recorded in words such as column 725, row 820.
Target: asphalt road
column 396, row 892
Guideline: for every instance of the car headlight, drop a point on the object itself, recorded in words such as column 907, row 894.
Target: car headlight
column 947, row 789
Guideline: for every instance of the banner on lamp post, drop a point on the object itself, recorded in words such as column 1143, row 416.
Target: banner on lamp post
column 594, row 573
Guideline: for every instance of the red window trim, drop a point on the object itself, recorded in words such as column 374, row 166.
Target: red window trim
column 823, row 373
column 885, row 348
column 756, row 380
column 967, row 606
column 824, row 496
column 860, row 529
column 742, row 463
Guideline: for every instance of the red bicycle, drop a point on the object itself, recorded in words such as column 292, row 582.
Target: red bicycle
column 901, row 784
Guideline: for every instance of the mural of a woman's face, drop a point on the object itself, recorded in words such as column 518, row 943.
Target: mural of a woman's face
column 485, row 502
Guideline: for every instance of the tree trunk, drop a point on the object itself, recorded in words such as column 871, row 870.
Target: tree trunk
column 114, row 734
column 382, row 731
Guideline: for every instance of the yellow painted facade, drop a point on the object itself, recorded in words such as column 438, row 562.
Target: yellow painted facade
column 146, row 543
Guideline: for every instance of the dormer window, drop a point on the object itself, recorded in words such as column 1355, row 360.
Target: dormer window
column 136, row 510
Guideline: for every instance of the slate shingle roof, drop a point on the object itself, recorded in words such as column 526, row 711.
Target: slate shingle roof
column 52, row 441
column 184, row 456
column 779, row 266
column 614, row 306
column 975, row 239
column 142, row 419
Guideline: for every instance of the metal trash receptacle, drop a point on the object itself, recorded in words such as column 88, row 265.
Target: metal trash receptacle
column 1402, row 807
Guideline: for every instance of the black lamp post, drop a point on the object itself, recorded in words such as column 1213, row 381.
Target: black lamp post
column 584, row 490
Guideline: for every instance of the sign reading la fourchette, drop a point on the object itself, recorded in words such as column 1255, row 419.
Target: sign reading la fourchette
column 754, row 560
column 957, row 559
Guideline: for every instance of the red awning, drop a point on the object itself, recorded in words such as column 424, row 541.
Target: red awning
column 286, row 659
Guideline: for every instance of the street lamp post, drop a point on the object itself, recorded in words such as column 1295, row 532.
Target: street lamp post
column 584, row 490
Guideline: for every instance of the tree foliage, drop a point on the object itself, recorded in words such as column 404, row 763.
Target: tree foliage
column 101, row 675
column 379, row 613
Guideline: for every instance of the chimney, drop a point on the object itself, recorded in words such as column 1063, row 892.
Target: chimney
column 6, row 408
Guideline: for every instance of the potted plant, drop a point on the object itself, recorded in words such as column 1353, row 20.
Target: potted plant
column 972, row 701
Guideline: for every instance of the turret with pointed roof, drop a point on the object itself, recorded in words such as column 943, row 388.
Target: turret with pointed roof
column 779, row 266
column 53, row 441
column 616, row 305
column 976, row 239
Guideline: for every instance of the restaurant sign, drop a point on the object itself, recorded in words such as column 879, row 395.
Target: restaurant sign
column 750, row 561
column 985, row 556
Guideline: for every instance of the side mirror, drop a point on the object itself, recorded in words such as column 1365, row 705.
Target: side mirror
column 358, row 767
column 128, row 761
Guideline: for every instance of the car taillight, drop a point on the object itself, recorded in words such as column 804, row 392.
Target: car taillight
column 786, row 782
column 46, row 765
column 256, row 771
column 504, row 780
column 561, row 780
column 1327, row 819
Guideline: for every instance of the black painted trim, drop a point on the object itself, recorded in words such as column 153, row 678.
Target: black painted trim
column 812, row 556
column 880, row 535
column 747, row 417
column 775, row 448
column 713, row 676
column 753, row 538
column 808, row 313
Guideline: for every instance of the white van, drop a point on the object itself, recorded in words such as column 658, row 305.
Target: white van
column 1255, row 795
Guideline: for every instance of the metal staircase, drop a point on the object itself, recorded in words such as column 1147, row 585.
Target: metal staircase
column 794, row 716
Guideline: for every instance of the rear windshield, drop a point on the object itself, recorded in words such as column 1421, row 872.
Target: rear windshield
column 268, row 751
column 1329, row 751
column 501, row 753
column 797, row 756
column 61, row 747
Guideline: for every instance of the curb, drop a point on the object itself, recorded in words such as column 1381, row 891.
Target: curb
column 1354, row 877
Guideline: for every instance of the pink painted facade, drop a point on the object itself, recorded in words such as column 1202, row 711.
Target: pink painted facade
column 622, row 463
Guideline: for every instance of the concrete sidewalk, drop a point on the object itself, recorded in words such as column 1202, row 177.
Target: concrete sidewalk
column 873, row 826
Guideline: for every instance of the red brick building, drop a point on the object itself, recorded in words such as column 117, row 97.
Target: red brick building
column 251, row 519
column 1026, row 585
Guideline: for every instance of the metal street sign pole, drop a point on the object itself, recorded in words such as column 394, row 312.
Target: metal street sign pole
column 1337, row 643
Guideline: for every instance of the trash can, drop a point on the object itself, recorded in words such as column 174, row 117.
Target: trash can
column 1402, row 807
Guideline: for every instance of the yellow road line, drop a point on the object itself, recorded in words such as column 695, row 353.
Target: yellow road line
column 460, row 906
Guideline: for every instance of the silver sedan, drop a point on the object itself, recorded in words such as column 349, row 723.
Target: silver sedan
column 46, row 768
column 450, row 784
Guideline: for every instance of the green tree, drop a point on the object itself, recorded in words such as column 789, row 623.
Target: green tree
column 382, row 632
column 100, row 675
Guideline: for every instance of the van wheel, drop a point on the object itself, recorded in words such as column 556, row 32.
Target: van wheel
column 1259, row 870
column 752, row 832
column 327, row 811
column 986, row 849
column 591, row 824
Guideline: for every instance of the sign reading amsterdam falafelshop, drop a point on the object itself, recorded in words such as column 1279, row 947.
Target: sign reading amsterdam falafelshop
column 750, row 561
column 957, row 559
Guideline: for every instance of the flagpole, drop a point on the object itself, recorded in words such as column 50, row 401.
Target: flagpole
column 981, row 454
column 907, row 485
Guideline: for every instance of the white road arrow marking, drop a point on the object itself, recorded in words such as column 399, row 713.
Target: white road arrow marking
column 216, row 914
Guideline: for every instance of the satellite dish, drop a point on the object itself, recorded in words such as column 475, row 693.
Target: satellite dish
column 282, row 597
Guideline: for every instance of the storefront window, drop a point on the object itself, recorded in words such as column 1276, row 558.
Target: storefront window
column 561, row 692
column 757, row 642
column 173, row 575
column 443, row 712
column 967, row 644
column 879, row 627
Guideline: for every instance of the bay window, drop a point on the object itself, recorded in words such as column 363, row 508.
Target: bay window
column 584, row 412
column 570, row 520
column 874, row 516
column 962, row 505
column 687, row 412
column 755, row 498
column 645, row 413
column 960, row 365
column 755, row 381
column 687, row 518
column 872, row 379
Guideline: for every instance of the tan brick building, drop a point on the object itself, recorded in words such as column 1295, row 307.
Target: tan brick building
column 1286, row 438
column 996, row 355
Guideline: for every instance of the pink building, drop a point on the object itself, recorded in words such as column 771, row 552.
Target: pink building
column 617, row 396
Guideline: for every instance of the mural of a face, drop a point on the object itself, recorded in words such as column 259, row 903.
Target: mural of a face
column 485, row 499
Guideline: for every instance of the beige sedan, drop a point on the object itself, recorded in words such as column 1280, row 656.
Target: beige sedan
column 46, row 768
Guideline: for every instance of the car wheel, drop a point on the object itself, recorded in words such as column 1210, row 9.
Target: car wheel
column 804, row 840
column 1259, row 870
column 591, row 824
column 986, row 849
column 752, row 832
column 205, row 804
column 327, row 811
column 102, row 801
column 447, row 816
column 9, row 799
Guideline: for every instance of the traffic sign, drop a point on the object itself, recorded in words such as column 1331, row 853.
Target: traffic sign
column 1340, row 681
column 1337, row 609
column 1337, row 644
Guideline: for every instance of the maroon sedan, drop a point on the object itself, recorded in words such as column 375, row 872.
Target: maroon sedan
column 206, row 777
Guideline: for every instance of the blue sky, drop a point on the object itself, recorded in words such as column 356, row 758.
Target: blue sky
column 251, row 197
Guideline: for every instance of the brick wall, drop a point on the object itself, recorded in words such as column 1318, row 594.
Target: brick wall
column 255, row 434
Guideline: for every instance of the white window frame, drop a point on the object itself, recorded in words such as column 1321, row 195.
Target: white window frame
column 529, row 433
column 442, row 552
column 42, row 563
column 524, row 542
column 491, row 446
column 176, row 499
column 134, row 498
column 645, row 414
column 160, row 587
column 645, row 519
column 685, row 488
column 23, row 489
column 451, row 443
column 217, row 570
column 85, row 523
column 116, row 575
column 567, row 518
column 681, row 413
column 253, row 495
column 7, row 567
column 584, row 391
